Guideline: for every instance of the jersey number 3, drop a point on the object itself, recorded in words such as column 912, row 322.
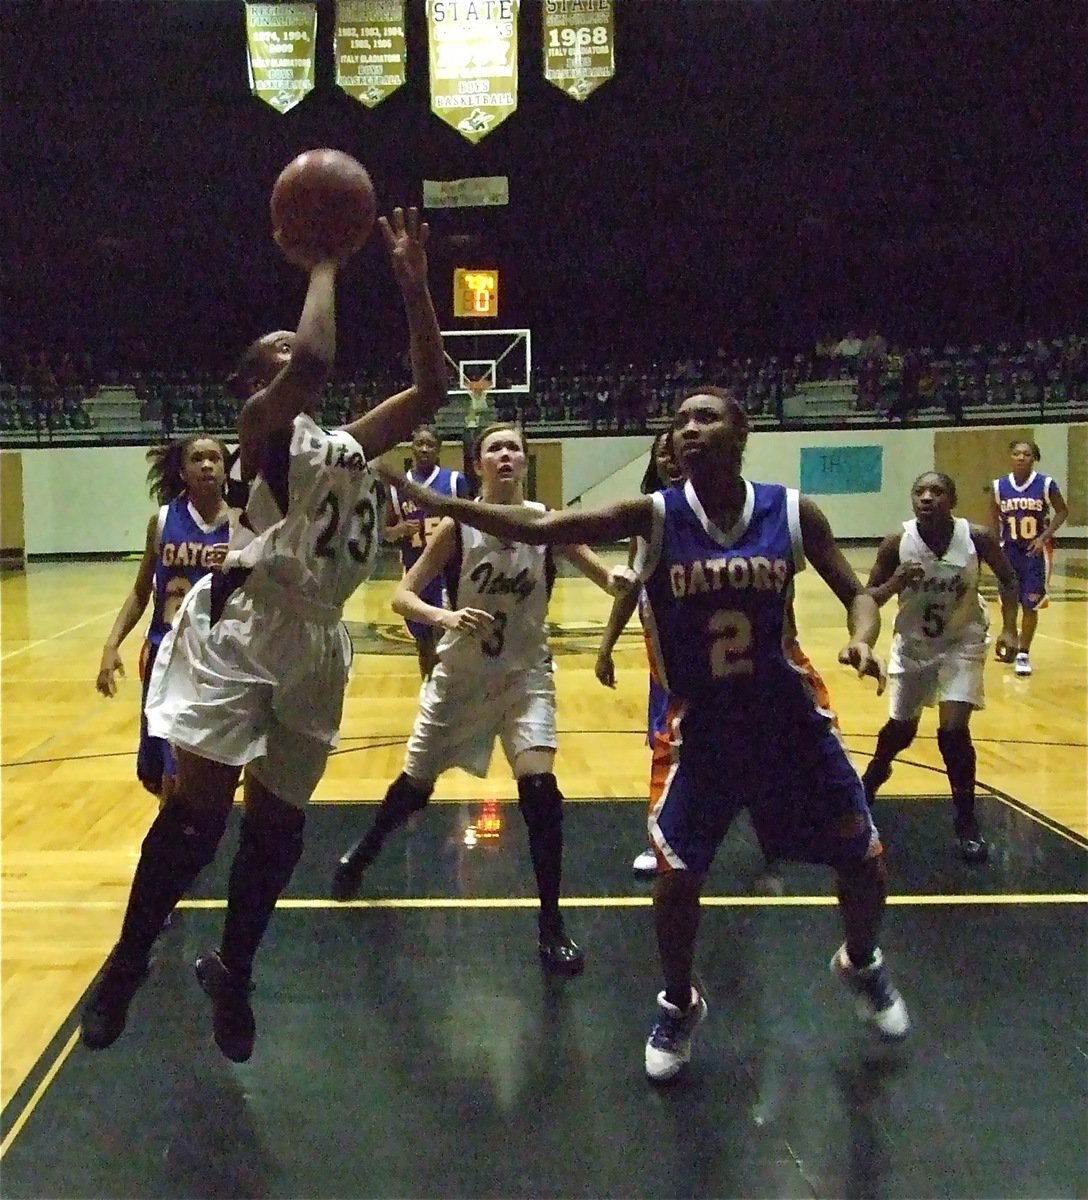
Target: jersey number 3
column 361, row 541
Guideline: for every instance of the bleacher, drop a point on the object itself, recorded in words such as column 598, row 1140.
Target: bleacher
column 925, row 386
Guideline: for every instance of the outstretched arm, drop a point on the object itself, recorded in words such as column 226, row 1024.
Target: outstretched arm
column 520, row 523
column 862, row 612
column 394, row 419
column 590, row 565
column 298, row 385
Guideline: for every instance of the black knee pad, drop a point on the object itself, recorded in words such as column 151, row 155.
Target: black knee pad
column 184, row 838
column 540, row 801
column 278, row 842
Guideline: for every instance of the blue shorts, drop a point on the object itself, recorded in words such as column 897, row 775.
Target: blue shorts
column 434, row 593
column 805, row 799
column 1032, row 575
column 154, row 758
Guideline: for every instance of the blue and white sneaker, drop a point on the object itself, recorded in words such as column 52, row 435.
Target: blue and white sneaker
column 876, row 1001
column 668, row 1048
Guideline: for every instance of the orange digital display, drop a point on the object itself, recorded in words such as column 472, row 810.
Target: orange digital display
column 475, row 292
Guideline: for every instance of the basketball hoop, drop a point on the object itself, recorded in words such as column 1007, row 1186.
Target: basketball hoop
column 478, row 390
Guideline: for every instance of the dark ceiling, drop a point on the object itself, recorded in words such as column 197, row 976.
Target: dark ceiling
column 758, row 172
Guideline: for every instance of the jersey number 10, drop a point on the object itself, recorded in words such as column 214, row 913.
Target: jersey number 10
column 1024, row 528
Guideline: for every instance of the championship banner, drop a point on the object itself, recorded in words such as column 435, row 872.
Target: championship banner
column 579, row 46
column 466, row 193
column 280, row 50
column 371, row 59
column 474, row 63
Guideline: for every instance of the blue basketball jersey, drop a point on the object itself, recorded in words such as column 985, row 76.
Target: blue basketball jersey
column 446, row 483
column 1024, row 508
column 716, row 610
column 184, row 548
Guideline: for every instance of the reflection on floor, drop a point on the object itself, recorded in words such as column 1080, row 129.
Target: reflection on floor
column 415, row 1050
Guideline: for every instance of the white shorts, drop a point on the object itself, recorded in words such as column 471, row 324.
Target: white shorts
column 461, row 715
column 264, row 688
column 956, row 673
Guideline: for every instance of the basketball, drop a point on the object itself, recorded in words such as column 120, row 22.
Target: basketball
column 324, row 202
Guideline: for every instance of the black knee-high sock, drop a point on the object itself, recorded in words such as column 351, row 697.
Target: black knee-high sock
column 402, row 800
column 541, row 804
column 958, row 752
column 893, row 738
column 268, row 851
column 862, row 890
column 178, row 846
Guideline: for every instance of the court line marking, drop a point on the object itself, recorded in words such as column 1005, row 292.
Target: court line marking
column 54, row 636
column 511, row 902
column 39, row 1091
column 1049, row 637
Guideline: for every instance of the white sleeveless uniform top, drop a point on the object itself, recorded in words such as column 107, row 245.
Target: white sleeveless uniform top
column 326, row 545
column 945, row 608
column 510, row 580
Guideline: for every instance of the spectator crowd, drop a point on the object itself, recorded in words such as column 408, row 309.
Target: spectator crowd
column 47, row 394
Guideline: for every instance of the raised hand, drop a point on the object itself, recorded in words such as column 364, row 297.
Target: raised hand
column 406, row 236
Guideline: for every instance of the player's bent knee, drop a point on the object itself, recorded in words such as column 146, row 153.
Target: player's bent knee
column 540, row 800
column 865, row 873
column 177, row 834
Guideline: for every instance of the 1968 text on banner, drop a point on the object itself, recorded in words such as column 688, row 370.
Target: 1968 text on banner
column 474, row 63
column 371, row 57
column 280, row 52
column 579, row 45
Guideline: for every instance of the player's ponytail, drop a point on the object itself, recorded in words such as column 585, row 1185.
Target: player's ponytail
column 164, row 479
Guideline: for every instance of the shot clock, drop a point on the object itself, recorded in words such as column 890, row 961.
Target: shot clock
column 475, row 292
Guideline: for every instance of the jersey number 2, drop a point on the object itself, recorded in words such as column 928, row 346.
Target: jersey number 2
column 362, row 540
column 731, row 644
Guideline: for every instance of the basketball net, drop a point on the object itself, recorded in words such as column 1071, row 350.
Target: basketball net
column 478, row 390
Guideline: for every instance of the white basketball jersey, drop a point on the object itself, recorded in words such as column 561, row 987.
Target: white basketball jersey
column 327, row 543
column 510, row 580
column 944, row 607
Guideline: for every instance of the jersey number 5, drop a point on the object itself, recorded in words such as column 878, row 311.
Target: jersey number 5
column 731, row 644
column 361, row 541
